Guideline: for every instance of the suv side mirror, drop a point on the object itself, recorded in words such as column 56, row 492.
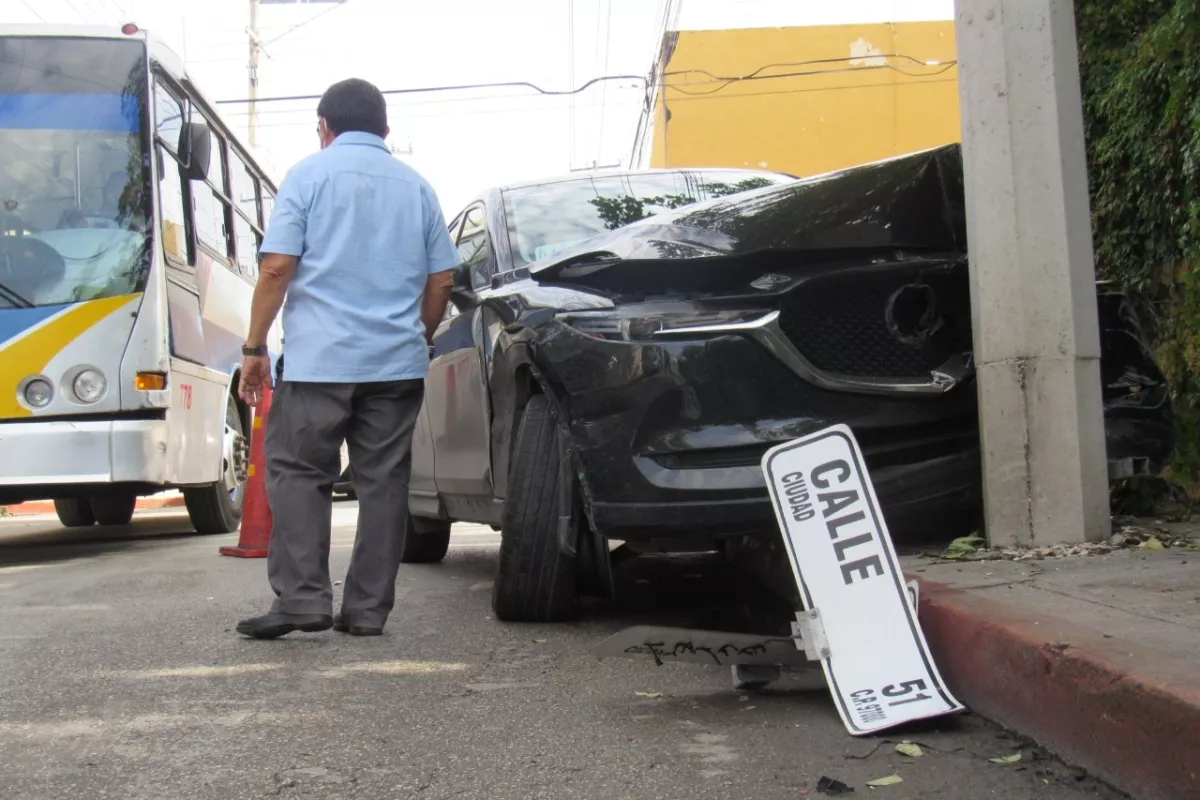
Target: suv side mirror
column 195, row 149
column 463, row 294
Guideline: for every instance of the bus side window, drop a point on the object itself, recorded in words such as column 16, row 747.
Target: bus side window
column 174, row 220
column 168, row 121
column 246, row 230
column 211, row 202
column 268, row 206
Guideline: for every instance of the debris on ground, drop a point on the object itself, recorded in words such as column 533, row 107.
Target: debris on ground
column 833, row 787
column 964, row 546
column 651, row 695
column 1013, row 759
column 890, row 780
column 910, row 749
column 1128, row 534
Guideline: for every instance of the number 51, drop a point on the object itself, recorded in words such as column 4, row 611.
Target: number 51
column 905, row 688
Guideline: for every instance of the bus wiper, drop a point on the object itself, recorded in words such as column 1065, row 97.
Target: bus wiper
column 13, row 298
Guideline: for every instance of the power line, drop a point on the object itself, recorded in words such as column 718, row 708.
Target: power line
column 458, row 87
column 723, row 83
column 604, row 87
column 32, row 10
column 724, row 80
column 571, row 75
column 442, row 115
column 394, row 104
column 311, row 19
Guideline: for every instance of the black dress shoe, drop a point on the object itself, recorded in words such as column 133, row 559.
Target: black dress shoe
column 340, row 624
column 276, row 624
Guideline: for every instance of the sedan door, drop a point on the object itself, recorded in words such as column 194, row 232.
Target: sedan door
column 456, row 389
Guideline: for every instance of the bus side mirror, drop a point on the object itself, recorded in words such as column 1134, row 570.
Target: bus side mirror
column 195, row 150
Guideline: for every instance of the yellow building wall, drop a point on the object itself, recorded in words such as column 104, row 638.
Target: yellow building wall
column 864, row 103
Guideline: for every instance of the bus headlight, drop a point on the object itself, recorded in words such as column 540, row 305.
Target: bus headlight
column 38, row 393
column 89, row 386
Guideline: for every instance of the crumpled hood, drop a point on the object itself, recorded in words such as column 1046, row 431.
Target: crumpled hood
column 914, row 202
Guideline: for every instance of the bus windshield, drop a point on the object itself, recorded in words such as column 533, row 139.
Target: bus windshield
column 74, row 200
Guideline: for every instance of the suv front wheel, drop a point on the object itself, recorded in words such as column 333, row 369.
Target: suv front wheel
column 535, row 579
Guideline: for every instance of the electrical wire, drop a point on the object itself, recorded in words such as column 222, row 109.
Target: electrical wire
column 443, row 115
column 394, row 103
column 810, row 90
column 457, row 87
column 757, row 74
column 311, row 19
column 571, row 78
column 32, row 10
column 723, row 83
column 82, row 17
column 604, row 87
column 722, row 80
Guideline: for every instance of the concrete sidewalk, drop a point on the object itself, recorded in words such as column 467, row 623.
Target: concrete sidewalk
column 1095, row 657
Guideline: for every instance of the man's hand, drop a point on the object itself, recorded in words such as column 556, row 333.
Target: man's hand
column 256, row 379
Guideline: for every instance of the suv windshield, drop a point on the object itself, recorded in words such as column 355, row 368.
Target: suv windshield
column 73, row 198
column 546, row 219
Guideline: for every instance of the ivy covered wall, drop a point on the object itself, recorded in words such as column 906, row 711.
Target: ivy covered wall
column 1140, row 65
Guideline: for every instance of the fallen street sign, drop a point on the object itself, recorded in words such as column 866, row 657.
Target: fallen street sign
column 683, row 645
column 873, row 652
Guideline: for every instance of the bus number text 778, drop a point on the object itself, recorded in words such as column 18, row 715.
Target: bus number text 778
column 870, row 708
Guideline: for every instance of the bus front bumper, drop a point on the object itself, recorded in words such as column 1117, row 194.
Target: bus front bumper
column 39, row 458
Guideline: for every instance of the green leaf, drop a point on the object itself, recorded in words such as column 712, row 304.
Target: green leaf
column 910, row 749
column 1153, row 544
column 890, row 780
column 1014, row 758
column 963, row 546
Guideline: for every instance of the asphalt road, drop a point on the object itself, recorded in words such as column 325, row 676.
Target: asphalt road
column 121, row 677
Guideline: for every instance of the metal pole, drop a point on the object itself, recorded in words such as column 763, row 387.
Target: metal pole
column 255, row 48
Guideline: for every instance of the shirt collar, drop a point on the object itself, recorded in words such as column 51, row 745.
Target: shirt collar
column 360, row 137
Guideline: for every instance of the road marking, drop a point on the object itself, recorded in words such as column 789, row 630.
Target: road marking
column 198, row 671
column 82, row 607
column 393, row 668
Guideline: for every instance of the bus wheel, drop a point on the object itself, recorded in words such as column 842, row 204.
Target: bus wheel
column 114, row 510
column 217, row 508
column 74, row 513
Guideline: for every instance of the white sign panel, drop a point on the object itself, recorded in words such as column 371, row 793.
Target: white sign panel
column 878, row 666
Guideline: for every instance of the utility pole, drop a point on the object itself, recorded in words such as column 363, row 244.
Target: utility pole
column 255, row 49
column 1033, row 282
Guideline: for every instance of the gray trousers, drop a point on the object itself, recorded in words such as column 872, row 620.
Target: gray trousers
column 308, row 423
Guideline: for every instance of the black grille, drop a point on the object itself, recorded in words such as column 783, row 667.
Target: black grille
column 840, row 323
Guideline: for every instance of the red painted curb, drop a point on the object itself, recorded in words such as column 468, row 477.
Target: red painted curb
column 1128, row 714
column 47, row 507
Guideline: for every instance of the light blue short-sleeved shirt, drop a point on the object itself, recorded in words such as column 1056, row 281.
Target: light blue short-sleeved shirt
column 368, row 231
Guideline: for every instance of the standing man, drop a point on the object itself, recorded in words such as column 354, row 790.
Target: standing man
column 359, row 246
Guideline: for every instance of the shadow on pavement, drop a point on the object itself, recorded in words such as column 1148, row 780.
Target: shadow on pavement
column 25, row 543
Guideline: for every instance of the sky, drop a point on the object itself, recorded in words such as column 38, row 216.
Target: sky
column 465, row 141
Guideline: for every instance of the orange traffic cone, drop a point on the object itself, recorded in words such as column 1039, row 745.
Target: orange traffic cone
column 257, row 521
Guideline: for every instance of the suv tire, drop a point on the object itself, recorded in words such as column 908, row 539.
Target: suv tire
column 535, row 579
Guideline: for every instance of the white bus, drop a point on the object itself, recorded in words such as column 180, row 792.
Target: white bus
column 131, row 219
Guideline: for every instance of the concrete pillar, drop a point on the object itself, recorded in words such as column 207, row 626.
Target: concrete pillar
column 1033, row 292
